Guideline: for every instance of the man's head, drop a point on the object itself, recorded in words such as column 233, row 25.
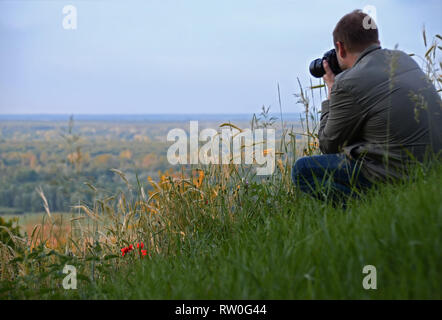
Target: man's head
column 351, row 36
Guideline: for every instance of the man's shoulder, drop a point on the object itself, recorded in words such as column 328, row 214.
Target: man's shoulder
column 373, row 68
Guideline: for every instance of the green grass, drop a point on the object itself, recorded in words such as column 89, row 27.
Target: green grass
column 297, row 248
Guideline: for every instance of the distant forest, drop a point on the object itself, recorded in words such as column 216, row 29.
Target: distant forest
column 64, row 156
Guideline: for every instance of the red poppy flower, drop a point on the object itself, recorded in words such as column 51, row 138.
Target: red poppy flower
column 140, row 245
column 144, row 252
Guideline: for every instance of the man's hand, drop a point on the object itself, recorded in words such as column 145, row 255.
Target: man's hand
column 329, row 76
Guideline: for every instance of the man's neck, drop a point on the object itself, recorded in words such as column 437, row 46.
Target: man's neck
column 352, row 57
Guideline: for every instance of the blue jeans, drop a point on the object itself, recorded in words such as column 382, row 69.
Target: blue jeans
column 329, row 176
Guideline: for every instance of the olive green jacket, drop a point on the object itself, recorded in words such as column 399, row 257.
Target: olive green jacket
column 383, row 111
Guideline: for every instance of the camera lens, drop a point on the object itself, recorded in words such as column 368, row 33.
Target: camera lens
column 316, row 68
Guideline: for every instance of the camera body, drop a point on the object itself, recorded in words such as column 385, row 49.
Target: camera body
column 317, row 68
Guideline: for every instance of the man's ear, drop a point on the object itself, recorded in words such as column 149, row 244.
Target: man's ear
column 341, row 50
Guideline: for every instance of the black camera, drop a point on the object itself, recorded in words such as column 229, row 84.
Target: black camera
column 317, row 69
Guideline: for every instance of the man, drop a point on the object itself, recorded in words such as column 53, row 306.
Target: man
column 382, row 114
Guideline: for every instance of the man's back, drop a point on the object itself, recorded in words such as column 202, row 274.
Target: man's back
column 385, row 109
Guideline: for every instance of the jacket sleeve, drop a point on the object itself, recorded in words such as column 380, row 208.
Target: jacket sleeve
column 340, row 122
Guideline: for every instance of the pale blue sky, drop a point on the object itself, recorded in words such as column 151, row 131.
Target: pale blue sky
column 182, row 56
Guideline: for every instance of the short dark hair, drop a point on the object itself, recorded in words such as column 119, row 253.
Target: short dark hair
column 352, row 32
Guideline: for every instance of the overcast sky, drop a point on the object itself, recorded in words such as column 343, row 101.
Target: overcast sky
column 181, row 56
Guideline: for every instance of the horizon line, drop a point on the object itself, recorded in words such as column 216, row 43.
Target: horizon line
column 135, row 114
